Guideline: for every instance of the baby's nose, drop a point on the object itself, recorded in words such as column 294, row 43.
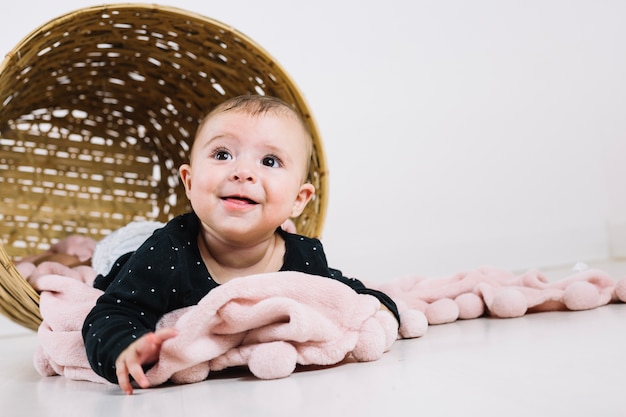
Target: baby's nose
column 243, row 173
column 243, row 177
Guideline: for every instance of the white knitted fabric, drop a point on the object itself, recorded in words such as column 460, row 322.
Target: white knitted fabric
column 124, row 240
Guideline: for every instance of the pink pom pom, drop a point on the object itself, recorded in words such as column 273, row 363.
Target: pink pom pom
column 413, row 324
column 389, row 325
column 25, row 268
column 371, row 343
column 508, row 303
column 620, row 290
column 470, row 305
column 273, row 360
column 195, row 373
column 581, row 295
column 442, row 311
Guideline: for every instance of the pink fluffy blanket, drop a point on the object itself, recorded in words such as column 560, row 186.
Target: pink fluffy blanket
column 270, row 325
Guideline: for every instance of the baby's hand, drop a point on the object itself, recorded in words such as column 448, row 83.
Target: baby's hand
column 144, row 350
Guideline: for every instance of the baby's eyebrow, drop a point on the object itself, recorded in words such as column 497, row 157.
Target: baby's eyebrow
column 274, row 149
column 202, row 145
column 279, row 152
column 217, row 137
column 207, row 143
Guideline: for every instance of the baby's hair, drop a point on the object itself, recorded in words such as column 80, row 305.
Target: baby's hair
column 257, row 105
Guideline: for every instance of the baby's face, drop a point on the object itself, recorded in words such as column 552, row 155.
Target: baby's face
column 246, row 174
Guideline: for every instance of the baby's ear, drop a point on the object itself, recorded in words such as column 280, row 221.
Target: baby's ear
column 307, row 190
column 185, row 175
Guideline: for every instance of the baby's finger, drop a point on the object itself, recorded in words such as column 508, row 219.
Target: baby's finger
column 166, row 333
column 136, row 371
column 122, row 377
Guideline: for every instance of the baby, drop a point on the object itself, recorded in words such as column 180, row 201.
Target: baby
column 246, row 176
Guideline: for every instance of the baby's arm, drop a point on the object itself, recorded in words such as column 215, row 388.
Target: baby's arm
column 387, row 304
column 144, row 351
column 128, row 310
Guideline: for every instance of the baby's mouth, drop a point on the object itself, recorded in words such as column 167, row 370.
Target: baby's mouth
column 239, row 199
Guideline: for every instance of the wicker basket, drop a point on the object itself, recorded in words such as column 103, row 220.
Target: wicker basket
column 99, row 107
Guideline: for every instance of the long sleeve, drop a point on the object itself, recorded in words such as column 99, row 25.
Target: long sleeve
column 164, row 274
column 307, row 255
column 360, row 288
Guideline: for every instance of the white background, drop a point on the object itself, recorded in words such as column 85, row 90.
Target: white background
column 458, row 133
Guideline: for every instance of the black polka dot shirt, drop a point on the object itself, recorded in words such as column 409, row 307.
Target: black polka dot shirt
column 167, row 273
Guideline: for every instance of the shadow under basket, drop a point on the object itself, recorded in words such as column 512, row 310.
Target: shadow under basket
column 99, row 109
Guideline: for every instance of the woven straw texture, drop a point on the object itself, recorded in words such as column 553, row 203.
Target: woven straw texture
column 99, row 108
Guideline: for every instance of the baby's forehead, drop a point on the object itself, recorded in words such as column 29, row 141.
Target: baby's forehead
column 216, row 121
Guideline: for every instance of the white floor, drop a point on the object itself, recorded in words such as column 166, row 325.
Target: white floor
column 543, row 364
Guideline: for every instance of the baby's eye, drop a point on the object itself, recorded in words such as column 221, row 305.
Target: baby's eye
column 271, row 161
column 222, row 155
